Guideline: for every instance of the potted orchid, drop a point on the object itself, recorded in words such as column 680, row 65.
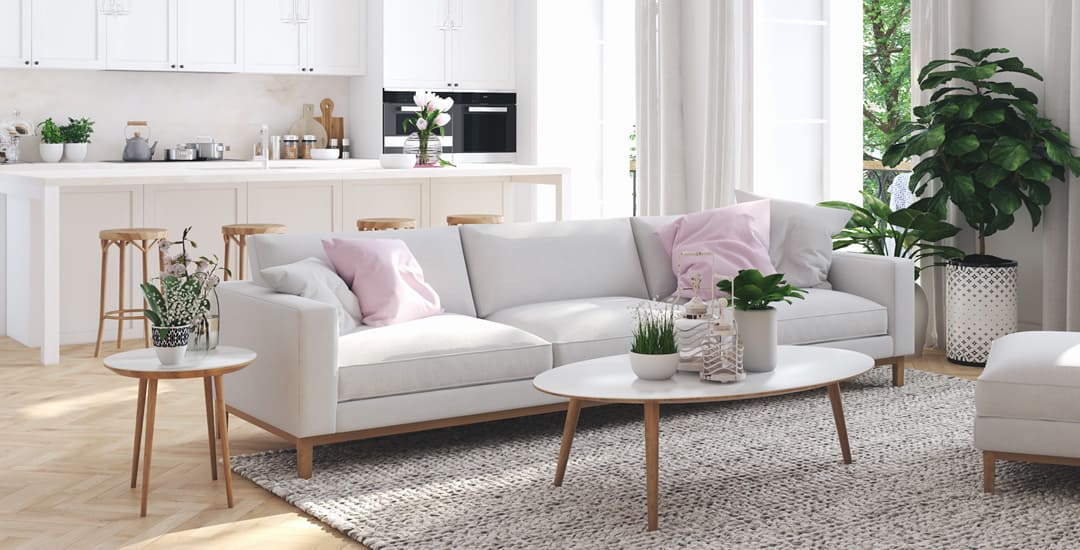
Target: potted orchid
column 433, row 114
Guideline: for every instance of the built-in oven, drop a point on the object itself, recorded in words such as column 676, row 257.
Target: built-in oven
column 487, row 127
column 398, row 110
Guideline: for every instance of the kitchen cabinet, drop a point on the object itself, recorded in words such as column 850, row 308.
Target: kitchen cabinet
column 15, row 33
column 474, row 196
column 332, row 40
column 403, row 198
column 303, row 206
column 66, row 34
column 176, row 35
column 449, row 44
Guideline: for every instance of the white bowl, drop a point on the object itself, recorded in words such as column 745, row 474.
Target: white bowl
column 324, row 154
column 397, row 160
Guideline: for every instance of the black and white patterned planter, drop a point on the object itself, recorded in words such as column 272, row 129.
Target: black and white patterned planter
column 170, row 343
column 980, row 306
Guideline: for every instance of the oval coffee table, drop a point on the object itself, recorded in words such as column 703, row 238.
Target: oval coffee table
column 610, row 380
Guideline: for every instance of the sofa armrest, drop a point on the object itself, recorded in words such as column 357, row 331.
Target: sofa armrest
column 292, row 385
column 885, row 280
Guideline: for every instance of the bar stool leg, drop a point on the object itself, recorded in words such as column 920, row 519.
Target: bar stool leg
column 120, row 297
column 241, row 253
column 101, row 316
column 145, row 278
column 228, row 267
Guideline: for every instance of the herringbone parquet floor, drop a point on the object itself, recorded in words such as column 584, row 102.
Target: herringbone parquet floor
column 65, row 448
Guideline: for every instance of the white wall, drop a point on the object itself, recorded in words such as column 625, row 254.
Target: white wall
column 178, row 106
column 1019, row 27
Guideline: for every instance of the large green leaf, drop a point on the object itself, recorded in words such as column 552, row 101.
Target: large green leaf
column 962, row 186
column 990, row 174
column 935, row 64
column 1005, row 198
column 860, row 217
column 1039, row 192
column 978, row 56
column 1038, row 170
column 990, row 117
column 1009, row 153
column 879, row 207
column 1034, row 211
column 979, row 72
column 962, row 144
column 895, row 154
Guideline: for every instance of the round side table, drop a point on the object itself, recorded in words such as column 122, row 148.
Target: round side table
column 144, row 365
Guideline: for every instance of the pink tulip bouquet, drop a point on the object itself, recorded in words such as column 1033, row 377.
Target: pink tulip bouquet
column 434, row 114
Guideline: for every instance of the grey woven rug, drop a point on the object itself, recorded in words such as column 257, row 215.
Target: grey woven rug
column 762, row 473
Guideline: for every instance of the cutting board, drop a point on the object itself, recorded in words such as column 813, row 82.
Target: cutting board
column 335, row 125
column 307, row 124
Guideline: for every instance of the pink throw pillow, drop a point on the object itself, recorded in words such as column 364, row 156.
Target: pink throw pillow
column 386, row 278
column 737, row 236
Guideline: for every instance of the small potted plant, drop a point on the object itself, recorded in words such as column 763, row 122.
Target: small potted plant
column 51, row 147
column 653, row 353
column 434, row 114
column 755, row 317
column 76, row 134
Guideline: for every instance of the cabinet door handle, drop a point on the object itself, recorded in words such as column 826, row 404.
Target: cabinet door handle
column 311, row 69
column 27, row 62
column 173, row 66
column 456, row 84
column 37, row 63
column 181, row 66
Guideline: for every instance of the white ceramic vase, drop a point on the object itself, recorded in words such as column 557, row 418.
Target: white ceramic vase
column 654, row 367
column 51, row 152
column 74, row 152
column 757, row 333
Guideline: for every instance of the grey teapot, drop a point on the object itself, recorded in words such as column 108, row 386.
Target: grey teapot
column 138, row 148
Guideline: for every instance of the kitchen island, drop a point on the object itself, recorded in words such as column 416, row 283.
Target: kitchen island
column 54, row 212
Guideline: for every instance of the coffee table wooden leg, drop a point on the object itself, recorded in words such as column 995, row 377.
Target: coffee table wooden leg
column 572, row 413
column 838, row 416
column 220, row 395
column 208, row 397
column 140, row 412
column 652, row 461
column 151, row 407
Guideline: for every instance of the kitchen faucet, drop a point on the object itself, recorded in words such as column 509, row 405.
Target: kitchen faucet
column 264, row 138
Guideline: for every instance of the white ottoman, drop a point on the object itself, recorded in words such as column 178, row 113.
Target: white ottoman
column 1027, row 401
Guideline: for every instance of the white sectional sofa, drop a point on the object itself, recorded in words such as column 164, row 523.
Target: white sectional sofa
column 519, row 299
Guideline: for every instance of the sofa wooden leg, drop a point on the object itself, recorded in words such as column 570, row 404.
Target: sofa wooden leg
column 305, row 455
column 898, row 372
column 989, row 461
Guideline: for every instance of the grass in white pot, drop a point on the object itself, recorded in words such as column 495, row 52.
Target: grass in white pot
column 653, row 353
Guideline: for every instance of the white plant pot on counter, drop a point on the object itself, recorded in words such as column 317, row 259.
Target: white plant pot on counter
column 654, row 367
column 757, row 333
column 75, row 152
column 51, row 152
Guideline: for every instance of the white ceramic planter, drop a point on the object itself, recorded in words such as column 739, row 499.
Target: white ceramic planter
column 757, row 333
column 75, row 152
column 170, row 343
column 51, row 152
column 654, row 367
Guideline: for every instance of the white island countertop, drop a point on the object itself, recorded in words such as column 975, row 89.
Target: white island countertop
column 75, row 174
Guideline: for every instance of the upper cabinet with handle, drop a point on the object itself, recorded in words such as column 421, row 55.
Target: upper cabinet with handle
column 15, row 33
column 176, row 35
column 51, row 34
column 449, row 44
column 322, row 37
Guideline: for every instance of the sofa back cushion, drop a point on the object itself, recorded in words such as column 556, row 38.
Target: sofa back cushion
column 527, row 263
column 655, row 259
column 438, row 250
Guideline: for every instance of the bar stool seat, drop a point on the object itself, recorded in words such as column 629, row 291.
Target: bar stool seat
column 473, row 219
column 144, row 239
column 238, row 233
column 383, row 224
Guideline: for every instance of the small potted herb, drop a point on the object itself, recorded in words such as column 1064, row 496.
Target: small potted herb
column 76, row 134
column 755, row 318
column 653, row 355
column 52, row 141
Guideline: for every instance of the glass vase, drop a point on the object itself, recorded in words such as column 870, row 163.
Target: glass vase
column 428, row 150
column 204, row 329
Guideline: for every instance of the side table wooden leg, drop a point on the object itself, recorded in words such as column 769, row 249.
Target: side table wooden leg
column 208, row 397
column 572, row 412
column 140, row 412
column 220, row 397
column 151, row 407
column 652, row 461
column 838, row 416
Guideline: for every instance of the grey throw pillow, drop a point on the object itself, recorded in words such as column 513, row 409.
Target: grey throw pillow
column 315, row 279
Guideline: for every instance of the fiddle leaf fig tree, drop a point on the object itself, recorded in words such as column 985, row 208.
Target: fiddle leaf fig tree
column 985, row 141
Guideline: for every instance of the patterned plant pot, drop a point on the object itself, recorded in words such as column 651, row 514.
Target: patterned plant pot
column 171, row 343
column 980, row 306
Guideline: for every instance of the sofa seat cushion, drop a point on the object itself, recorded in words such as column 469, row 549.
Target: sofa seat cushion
column 439, row 352
column 1031, row 376
column 829, row 315
column 579, row 329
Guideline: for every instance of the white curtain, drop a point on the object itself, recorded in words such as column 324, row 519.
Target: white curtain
column 1061, row 219
column 938, row 27
column 694, row 103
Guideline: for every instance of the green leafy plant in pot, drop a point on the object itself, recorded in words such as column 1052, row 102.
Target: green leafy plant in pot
column 993, row 154
column 51, row 147
column 76, row 134
column 755, row 317
column 653, row 352
column 904, row 233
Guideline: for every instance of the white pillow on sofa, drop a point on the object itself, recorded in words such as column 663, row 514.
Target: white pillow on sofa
column 315, row 279
column 800, row 239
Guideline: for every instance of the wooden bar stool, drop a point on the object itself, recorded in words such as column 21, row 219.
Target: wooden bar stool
column 143, row 239
column 383, row 224
column 473, row 219
column 239, row 233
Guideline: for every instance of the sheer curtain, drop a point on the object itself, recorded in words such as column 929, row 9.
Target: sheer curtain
column 938, row 27
column 694, row 103
column 1061, row 219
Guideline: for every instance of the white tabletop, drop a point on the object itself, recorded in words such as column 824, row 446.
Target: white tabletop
column 146, row 361
column 610, row 378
